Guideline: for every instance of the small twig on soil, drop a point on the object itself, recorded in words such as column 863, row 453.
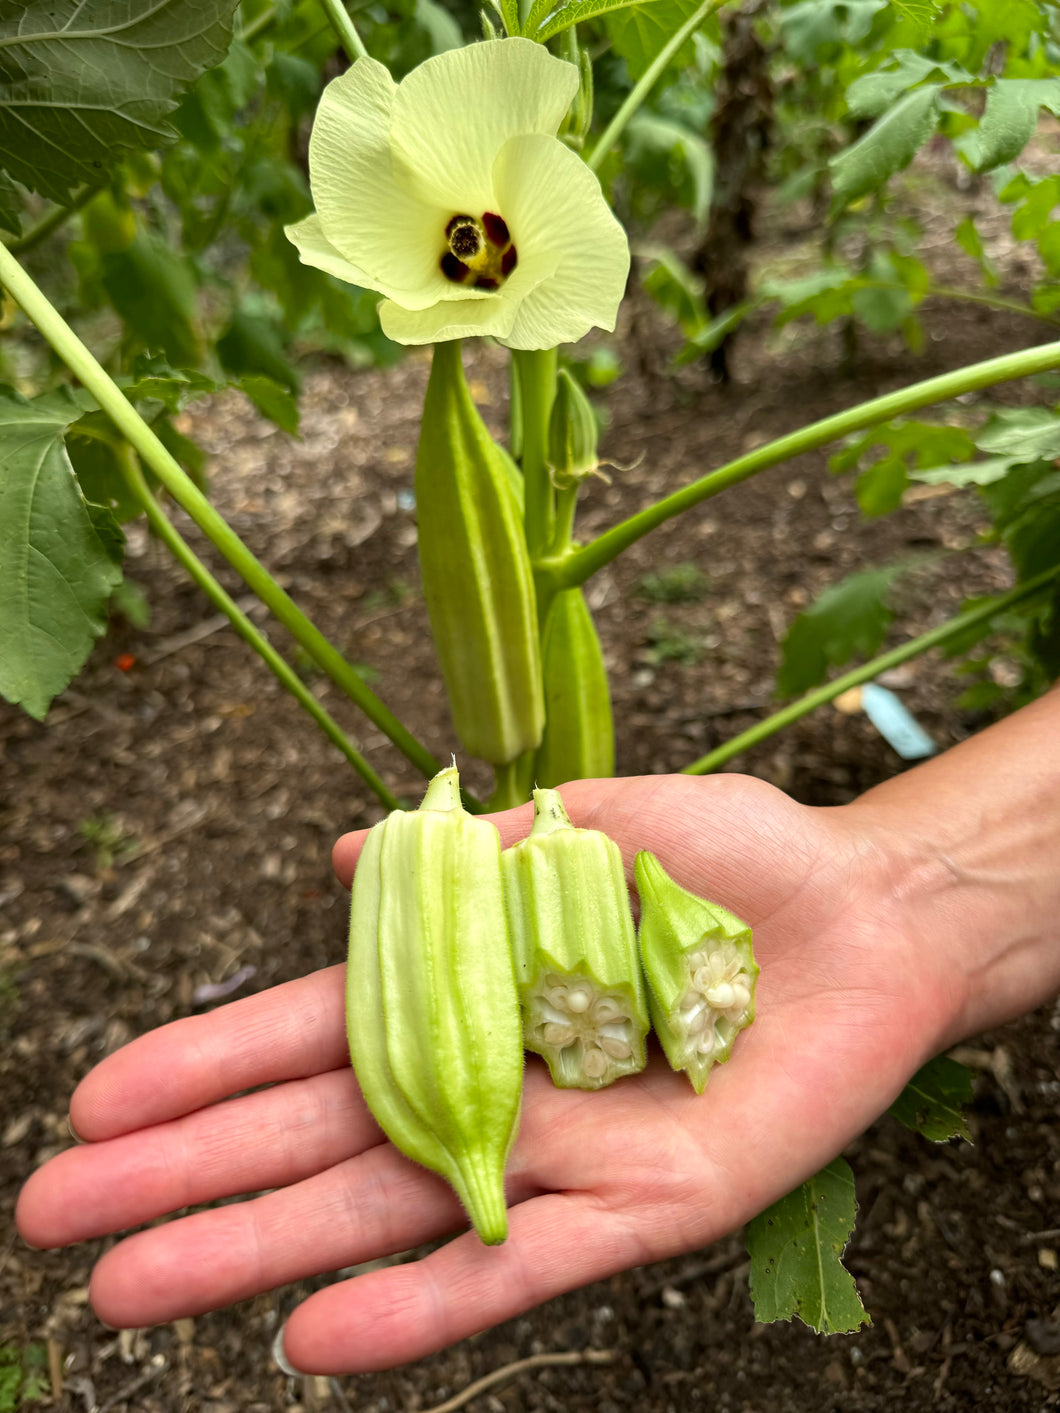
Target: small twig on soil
column 520, row 1366
column 339, row 1397
column 196, row 634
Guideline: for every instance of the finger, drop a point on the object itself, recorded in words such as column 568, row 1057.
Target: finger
column 385, row 1318
column 273, row 1138
column 361, row 1209
column 752, row 838
column 289, row 1032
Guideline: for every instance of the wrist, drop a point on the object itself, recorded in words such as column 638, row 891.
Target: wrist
column 968, row 850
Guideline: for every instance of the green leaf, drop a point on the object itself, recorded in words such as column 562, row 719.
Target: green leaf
column 1009, row 120
column 796, row 1248
column 849, row 618
column 95, row 451
column 641, row 31
column 813, row 28
column 253, row 344
column 933, row 1100
column 1030, row 433
column 968, row 238
column 509, row 13
column 272, row 401
column 873, row 93
column 889, row 145
column 10, row 205
column 921, row 13
column 81, row 84
column 60, row 558
column 664, row 142
column 155, row 293
column 675, row 289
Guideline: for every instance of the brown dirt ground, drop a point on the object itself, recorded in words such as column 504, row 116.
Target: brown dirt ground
column 221, row 805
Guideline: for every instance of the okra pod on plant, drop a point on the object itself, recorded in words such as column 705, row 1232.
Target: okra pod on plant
column 579, row 737
column 477, row 580
column 700, row 968
column 432, row 1012
column 584, row 1006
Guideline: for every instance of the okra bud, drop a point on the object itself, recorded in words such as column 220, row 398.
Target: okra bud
column 432, row 1011
column 477, row 580
column 700, row 969
column 579, row 737
column 584, row 1006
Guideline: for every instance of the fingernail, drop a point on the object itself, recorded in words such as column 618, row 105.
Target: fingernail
column 73, row 1131
column 281, row 1358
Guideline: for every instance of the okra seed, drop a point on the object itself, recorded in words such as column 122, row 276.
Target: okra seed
column 595, row 1063
column 578, row 999
column 721, row 996
column 705, row 1042
column 559, row 1035
column 617, row 1049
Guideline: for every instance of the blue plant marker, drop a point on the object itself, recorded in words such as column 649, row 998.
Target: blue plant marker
column 895, row 723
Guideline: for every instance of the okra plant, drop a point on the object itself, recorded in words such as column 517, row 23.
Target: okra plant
column 468, row 196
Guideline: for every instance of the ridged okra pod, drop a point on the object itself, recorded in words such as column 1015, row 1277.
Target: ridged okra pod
column 432, row 1012
column 477, row 579
column 700, row 968
column 579, row 738
column 584, row 1006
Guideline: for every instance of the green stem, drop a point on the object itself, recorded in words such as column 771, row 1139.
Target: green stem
column 646, row 83
column 575, row 568
column 258, row 25
column 344, row 28
column 511, row 783
column 859, row 675
column 187, row 495
column 537, row 387
column 186, row 557
column 967, row 296
column 52, row 221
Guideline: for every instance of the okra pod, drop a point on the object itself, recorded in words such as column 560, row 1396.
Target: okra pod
column 700, row 968
column 579, row 737
column 432, row 1010
column 584, row 1006
column 477, row 580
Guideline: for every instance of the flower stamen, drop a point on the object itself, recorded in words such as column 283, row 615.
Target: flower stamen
column 480, row 251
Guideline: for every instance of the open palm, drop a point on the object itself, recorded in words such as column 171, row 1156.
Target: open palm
column 848, row 1007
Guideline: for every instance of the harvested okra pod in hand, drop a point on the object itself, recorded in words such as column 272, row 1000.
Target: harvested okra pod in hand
column 432, row 1013
column 700, row 970
column 584, row 1006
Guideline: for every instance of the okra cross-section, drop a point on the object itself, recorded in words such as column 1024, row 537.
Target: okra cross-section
column 700, row 969
column 584, row 1005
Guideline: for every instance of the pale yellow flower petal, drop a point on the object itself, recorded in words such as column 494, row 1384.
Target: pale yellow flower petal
column 552, row 202
column 315, row 249
column 368, row 205
column 493, row 314
column 454, row 112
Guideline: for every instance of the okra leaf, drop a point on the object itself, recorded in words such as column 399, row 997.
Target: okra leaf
column 796, row 1248
column 932, row 1102
column 10, row 205
column 921, row 13
column 889, row 145
column 849, row 618
column 641, row 31
column 81, row 84
column 60, row 556
column 1009, row 120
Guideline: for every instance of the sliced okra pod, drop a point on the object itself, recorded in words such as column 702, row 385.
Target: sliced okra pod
column 584, row 1005
column 432, row 1012
column 700, row 969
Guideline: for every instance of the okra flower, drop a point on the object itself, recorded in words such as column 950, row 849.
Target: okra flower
column 451, row 195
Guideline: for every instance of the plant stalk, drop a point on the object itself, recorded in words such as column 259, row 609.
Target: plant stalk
column 189, row 561
column 646, row 83
column 536, row 371
column 188, row 496
column 50, row 223
column 575, row 568
column 866, row 673
column 344, row 28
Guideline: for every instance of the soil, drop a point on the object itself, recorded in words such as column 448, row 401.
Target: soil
column 170, row 828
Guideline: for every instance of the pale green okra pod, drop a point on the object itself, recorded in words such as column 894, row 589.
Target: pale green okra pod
column 584, row 1006
column 432, row 1011
column 700, row 969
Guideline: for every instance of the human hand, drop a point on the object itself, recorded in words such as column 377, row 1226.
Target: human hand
column 849, row 1005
